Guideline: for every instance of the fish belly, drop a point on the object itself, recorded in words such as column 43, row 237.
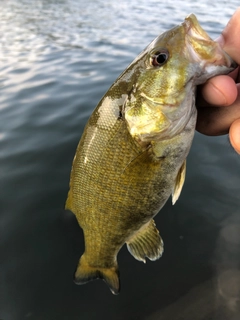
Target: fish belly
column 116, row 187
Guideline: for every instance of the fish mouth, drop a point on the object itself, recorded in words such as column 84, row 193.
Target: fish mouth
column 202, row 48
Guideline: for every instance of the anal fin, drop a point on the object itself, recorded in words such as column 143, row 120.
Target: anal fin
column 146, row 243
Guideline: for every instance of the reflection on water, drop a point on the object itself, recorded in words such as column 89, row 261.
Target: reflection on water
column 228, row 261
column 229, row 288
column 57, row 59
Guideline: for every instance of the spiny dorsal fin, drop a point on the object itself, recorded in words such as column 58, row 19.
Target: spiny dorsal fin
column 179, row 182
column 86, row 273
column 146, row 242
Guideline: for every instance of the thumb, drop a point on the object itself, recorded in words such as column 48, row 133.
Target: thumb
column 230, row 39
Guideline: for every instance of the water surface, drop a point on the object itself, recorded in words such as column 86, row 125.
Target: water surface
column 57, row 59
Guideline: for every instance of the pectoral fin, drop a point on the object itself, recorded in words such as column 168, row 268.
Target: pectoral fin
column 179, row 183
column 146, row 243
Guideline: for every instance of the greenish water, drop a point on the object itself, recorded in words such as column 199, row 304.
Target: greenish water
column 57, row 59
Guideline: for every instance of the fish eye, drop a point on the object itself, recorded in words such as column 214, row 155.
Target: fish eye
column 159, row 58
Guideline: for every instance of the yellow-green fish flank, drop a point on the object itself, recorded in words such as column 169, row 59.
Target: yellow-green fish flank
column 132, row 154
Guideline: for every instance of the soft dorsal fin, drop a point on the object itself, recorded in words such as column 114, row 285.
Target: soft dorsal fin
column 179, row 183
column 146, row 242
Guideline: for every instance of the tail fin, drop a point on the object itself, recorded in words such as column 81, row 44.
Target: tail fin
column 86, row 273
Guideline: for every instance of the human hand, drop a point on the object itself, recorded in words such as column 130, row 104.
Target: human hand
column 218, row 101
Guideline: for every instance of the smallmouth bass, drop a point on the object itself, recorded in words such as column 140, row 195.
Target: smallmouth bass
column 132, row 154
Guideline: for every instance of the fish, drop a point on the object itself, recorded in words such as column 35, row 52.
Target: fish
column 132, row 154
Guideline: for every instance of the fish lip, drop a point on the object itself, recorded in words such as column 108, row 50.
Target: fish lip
column 195, row 32
column 231, row 64
column 193, row 28
column 234, row 64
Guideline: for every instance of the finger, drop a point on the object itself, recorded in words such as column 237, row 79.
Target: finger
column 234, row 135
column 230, row 39
column 220, row 90
column 213, row 91
column 217, row 120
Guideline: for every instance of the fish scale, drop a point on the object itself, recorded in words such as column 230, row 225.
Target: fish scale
column 124, row 189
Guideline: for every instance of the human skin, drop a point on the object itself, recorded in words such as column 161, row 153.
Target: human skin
column 218, row 101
